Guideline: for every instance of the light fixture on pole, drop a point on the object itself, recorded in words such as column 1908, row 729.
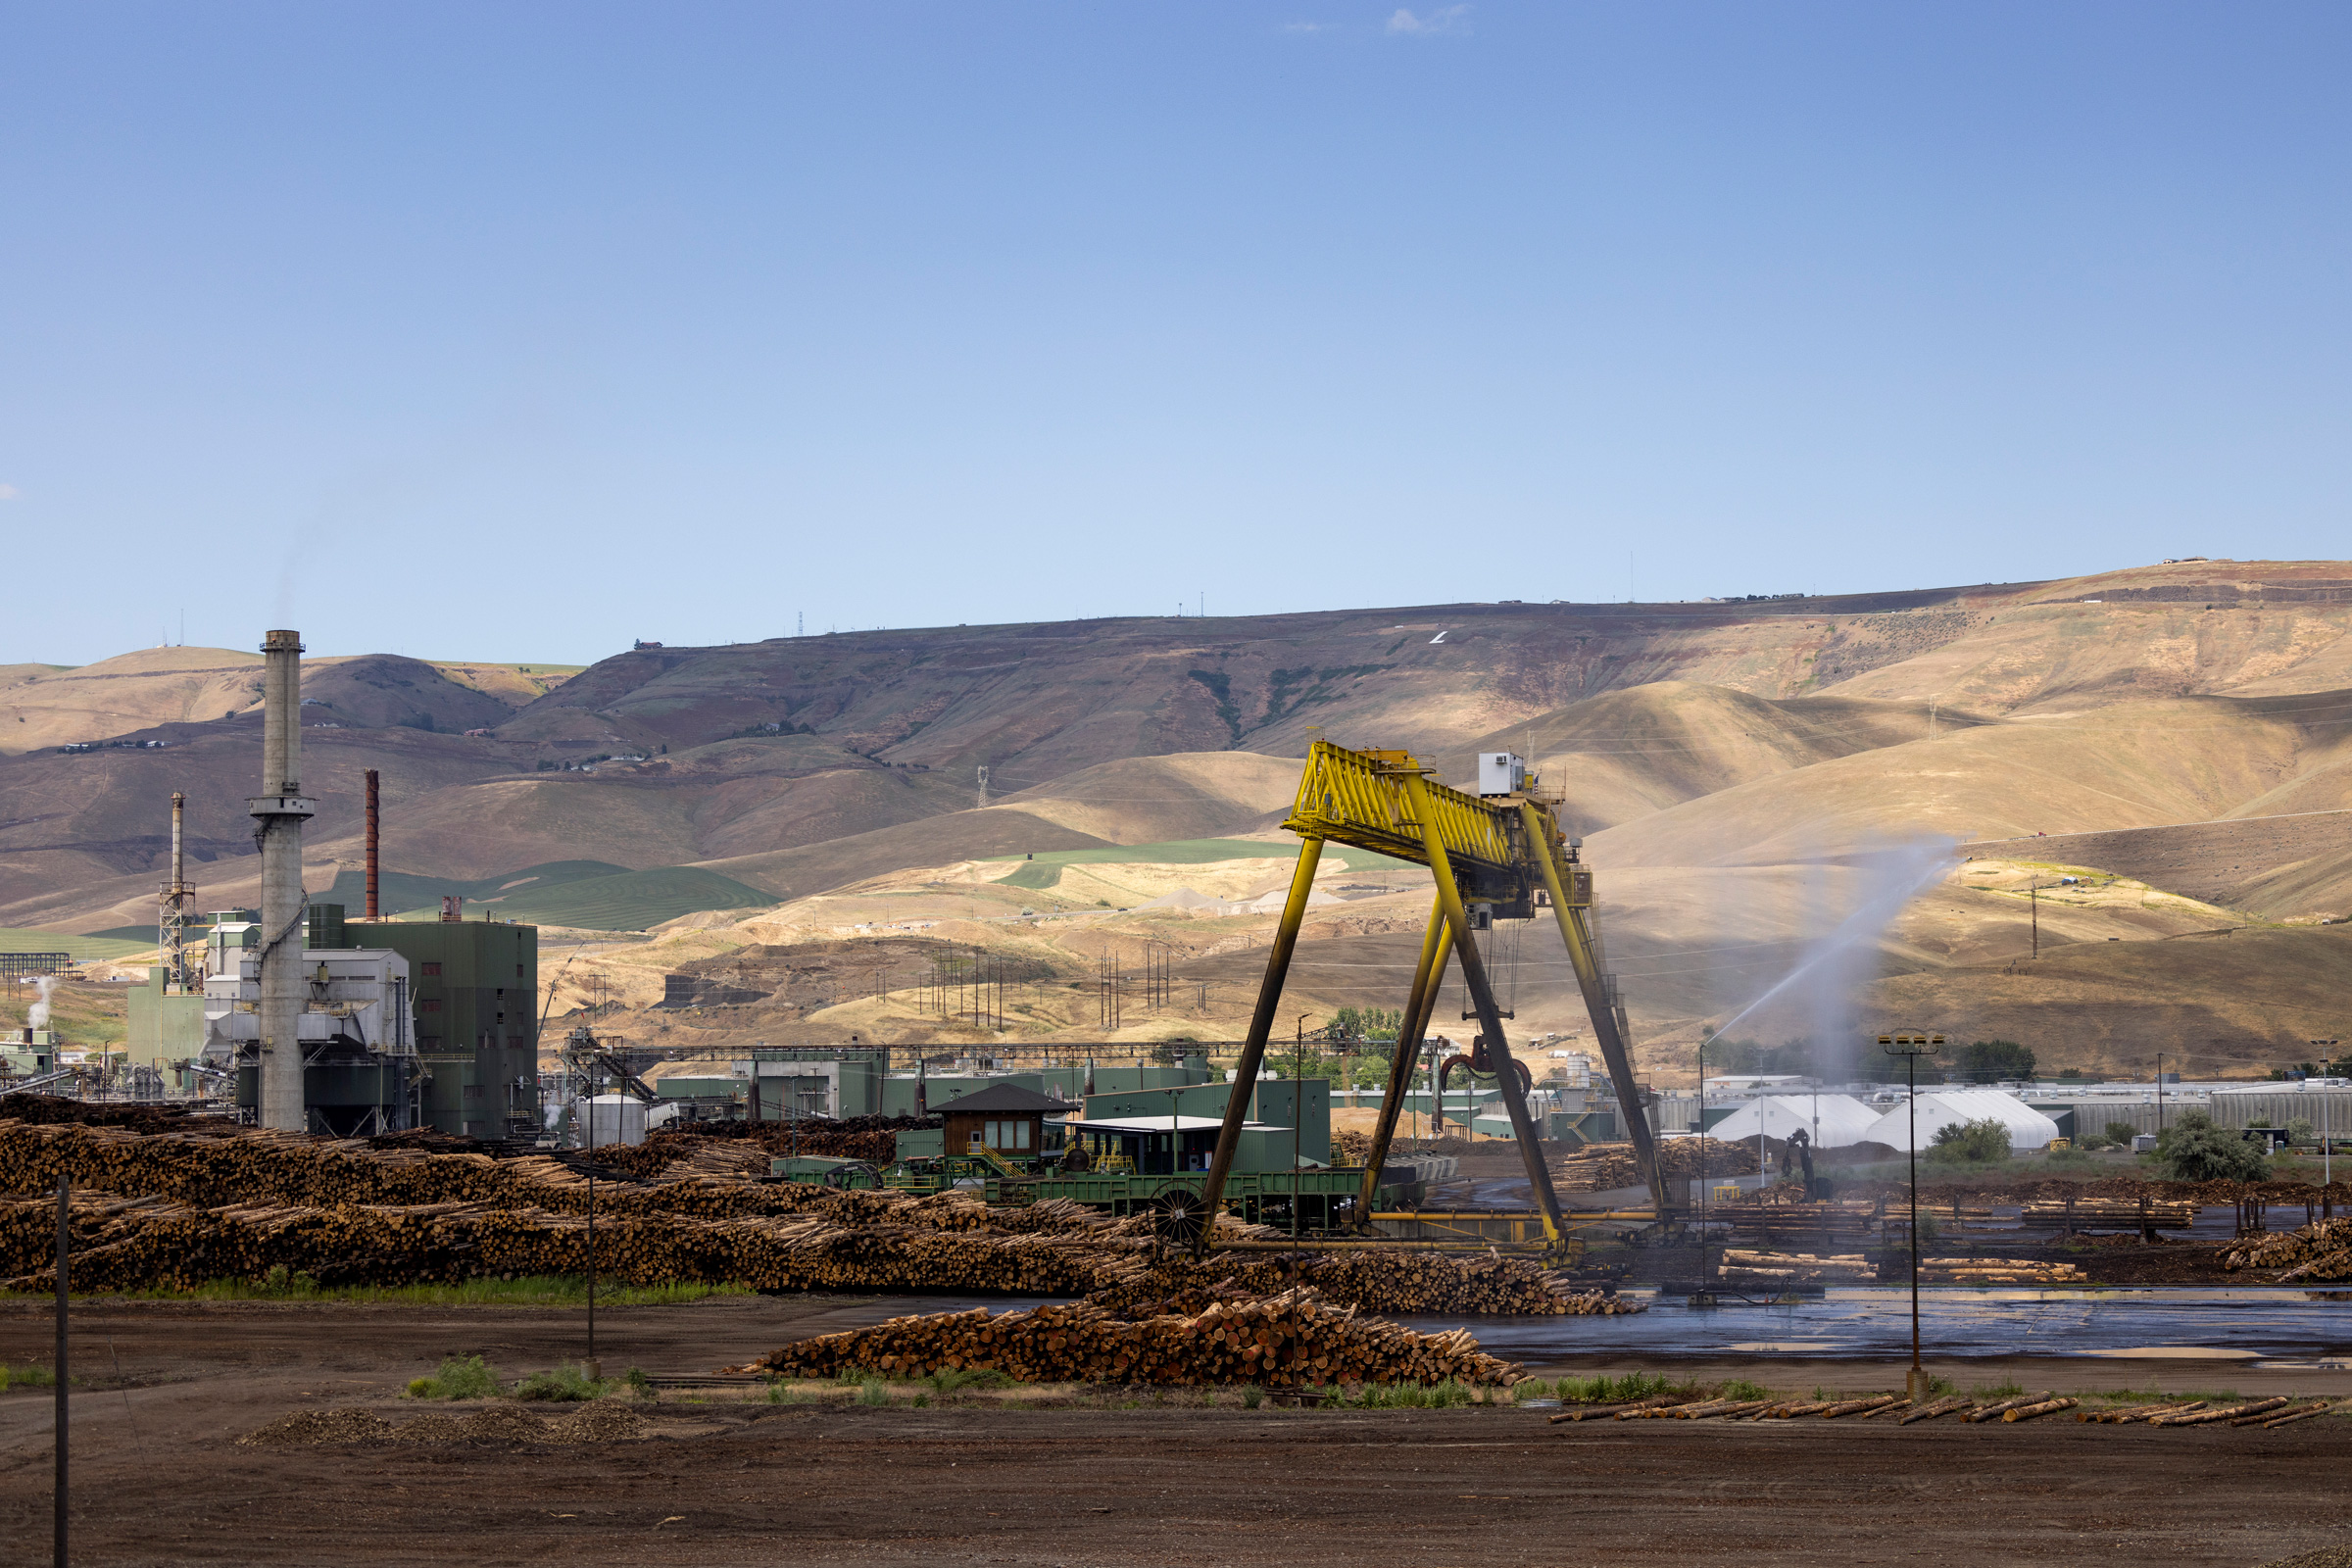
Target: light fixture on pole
column 1912, row 1047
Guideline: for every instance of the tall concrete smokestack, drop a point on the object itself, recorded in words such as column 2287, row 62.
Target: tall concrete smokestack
column 279, row 812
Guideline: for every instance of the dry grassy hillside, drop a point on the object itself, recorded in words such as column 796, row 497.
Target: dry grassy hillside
column 1734, row 767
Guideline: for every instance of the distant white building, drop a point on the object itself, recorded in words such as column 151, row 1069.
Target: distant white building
column 1949, row 1107
column 1831, row 1121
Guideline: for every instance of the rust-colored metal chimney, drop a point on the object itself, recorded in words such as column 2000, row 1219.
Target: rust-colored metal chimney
column 372, row 835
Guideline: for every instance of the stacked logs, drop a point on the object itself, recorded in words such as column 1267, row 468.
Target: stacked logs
column 1777, row 1219
column 2120, row 1213
column 235, row 1207
column 1601, row 1167
column 2319, row 1252
column 1996, row 1271
column 1285, row 1340
column 1795, row 1269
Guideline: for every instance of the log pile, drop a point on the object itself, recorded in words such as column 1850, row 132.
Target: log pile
column 174, row 1209
column 2107, row 1213
column 2317, row 1252
column 1795, row 1268
column 1782, row 1221
column 1599, row 1167
column 1996, row 1271
column 1285, row 1340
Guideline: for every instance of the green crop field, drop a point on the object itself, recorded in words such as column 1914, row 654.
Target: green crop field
column 1045, row 870
column 119, row 942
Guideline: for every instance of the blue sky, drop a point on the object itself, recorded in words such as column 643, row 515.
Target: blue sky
column 518, row 330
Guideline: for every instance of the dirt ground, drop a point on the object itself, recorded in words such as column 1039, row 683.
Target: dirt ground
column 161, row 1479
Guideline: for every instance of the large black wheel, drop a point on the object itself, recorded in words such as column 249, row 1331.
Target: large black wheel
column 1177, row 1216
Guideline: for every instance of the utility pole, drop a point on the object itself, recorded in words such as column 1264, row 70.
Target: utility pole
column 2327, row 1050
column 1912, row 1047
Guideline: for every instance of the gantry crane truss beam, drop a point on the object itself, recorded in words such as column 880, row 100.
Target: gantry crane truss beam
column 1496, row 850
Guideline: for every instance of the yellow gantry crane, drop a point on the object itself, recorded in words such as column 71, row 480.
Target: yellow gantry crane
column 1501, row 848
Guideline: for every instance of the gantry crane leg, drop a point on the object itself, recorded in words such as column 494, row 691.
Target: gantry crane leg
column 1489, row 1016
column 1417, row 1009
column 1253, row 1046
column 1613, row 1053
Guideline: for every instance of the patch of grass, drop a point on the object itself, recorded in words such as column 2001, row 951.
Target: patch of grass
column 1997, row 1390
column 1252, row 1397
column 531, row 1290
column 31, row 1375
column 1615, row 1391
column 1743, row 1390
column 569, row 1381
column 921, row 1402
column 460, row 1377
column 955, row 1380
column 1409, row 1397
column 873, row 1391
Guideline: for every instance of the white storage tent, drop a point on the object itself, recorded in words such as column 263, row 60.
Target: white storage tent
column 1844, row 1120
column 1944, row 1108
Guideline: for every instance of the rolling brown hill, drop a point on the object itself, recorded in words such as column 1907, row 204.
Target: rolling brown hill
column 1732, row 767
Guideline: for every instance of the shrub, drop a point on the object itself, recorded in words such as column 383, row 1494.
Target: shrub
column 565, row 1382
column 2121, row 1134
column 955, row 1380
column 1971, row 1143
column 1990, row 1060
column 2194, row 1150
column 2300, row 1131
column 1252, row 1397
column 460, row 1377
column 873, row 1391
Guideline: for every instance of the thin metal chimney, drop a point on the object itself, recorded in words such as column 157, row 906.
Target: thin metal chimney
column 372, row 830
column 278, row 814
column 173, row 937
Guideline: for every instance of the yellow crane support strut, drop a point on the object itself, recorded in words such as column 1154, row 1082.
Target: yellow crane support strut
column 1502, row 850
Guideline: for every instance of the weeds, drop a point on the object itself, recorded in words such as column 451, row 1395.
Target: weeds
column 31, row 1376
column 1615, row 1391
column 1252, row 1397
column 460, row 1377
column 873, row 1391
column 566, row 1382
column 955, row 1380
column 1997, row 1390
column 1743, row 1390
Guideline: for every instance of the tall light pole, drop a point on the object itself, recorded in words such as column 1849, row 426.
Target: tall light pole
column 2326, row 1104
column 1912, row 1047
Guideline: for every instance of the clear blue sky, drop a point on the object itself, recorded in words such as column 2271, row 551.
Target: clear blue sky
column 518, row 330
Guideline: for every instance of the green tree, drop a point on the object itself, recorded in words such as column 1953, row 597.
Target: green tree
column 2300, row 1131
column 1990, row 1060
column 1971, row 1143
column 2194, row 1150
column 1366, row 1024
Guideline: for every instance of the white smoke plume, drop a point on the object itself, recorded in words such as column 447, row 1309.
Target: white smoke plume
column 38, row 1014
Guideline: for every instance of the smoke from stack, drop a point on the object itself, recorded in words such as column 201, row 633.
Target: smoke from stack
column 37, row 1016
